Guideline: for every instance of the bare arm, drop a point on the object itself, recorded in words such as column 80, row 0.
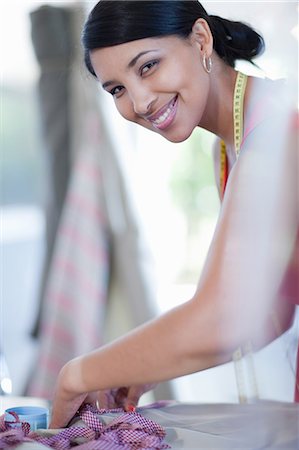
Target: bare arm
column 247, row 259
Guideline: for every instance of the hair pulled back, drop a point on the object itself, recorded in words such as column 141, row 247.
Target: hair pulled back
column 113, row 22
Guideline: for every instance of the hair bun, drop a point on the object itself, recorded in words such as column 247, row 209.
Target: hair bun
column 235, row 40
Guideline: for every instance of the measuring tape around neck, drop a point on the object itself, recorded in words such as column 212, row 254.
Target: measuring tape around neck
column 238, row 106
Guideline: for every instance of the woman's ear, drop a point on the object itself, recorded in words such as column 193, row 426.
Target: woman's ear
column 202, row 35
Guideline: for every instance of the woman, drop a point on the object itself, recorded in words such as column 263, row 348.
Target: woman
column 170, row 68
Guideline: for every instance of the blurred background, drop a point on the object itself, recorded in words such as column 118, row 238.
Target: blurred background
column 141, row 210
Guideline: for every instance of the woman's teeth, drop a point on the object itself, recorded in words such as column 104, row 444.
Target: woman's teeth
column 163, row 117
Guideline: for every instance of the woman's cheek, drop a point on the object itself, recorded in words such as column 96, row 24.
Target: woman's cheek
column 125, row 109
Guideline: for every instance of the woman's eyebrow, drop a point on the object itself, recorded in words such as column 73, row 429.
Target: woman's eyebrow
column 135, row 59
column 108, row 83
column 130, row 65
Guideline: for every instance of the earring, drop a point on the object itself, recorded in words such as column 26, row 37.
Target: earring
column 207, row 63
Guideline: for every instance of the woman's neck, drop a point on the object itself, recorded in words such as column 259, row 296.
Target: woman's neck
column 218, row 116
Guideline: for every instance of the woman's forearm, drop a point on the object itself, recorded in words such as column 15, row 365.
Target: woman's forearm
column 178, row 343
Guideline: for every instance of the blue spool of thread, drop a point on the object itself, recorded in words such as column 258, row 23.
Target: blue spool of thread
column 36, row 416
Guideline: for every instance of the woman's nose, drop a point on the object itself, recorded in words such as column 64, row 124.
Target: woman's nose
column 143, row 103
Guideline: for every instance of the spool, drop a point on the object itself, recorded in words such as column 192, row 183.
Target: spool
column 36, row 416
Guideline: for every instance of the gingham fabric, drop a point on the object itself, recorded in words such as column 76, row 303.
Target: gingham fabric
column 128, row 431
column 10, row 437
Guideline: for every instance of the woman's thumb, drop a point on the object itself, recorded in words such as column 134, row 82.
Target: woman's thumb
column 132, row 399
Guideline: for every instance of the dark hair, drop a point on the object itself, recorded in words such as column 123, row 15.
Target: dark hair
column 114, row 22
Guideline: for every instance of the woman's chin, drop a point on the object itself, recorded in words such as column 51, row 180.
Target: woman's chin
column 177, row 136
column 172, row 134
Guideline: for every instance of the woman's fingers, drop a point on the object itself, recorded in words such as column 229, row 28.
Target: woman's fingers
column 92, row 398
column 103, row 400
column 120, row 396
column 124, row 397
column 64, row 410
column 134, row 394
column 106, row 400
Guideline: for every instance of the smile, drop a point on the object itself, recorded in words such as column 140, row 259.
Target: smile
column 164, row 117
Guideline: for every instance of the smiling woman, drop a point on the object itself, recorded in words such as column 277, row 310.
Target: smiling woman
column 143, row 90
column 170, row 67
column 148, row 85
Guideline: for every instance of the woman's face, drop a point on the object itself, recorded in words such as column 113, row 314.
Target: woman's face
column 158, row 83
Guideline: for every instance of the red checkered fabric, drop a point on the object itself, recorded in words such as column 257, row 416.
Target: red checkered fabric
column 127, row 431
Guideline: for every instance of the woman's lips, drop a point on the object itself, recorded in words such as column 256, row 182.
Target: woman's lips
column 164, row 117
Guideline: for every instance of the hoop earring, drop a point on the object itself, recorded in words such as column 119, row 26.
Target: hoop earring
column 207, row 63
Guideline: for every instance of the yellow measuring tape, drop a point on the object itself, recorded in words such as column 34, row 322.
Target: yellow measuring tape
column 238, row 111
column 247, row 386
column 239, row 93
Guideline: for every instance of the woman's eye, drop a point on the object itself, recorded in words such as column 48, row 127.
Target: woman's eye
column 144, row 69
column 116, row 91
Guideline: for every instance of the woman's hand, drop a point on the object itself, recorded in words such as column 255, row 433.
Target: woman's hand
column 64, row 409
column 123, row 397
column 66, row 400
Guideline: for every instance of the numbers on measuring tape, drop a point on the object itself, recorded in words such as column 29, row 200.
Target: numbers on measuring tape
column 238, row 104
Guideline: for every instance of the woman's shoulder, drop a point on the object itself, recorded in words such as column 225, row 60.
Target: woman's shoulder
column 273, row 93
column 269, row 99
